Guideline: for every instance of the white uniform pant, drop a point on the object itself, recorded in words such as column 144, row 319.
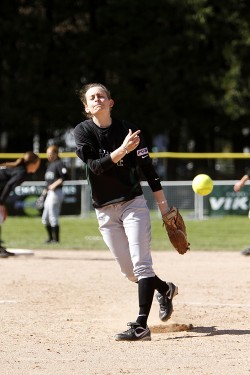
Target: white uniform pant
column 52, row 207
column 126, row 230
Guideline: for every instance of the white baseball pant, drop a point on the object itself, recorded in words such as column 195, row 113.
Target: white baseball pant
column 126, row 230
column 52, row 207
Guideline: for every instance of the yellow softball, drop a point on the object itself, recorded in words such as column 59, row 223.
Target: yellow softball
column 202, row 184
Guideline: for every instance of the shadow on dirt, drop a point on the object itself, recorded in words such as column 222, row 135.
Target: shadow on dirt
column 213, row 331
column 201, row 331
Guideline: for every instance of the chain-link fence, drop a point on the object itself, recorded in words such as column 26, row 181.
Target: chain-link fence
column 77, row 199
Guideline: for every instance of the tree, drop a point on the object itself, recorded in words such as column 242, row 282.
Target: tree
column 178, row 67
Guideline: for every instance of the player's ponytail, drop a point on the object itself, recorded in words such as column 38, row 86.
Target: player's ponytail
column 29, row 157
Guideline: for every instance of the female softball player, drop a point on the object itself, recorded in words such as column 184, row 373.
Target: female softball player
column 237, row 187
column 113, row 150
column 13, row 174
column 55, row 174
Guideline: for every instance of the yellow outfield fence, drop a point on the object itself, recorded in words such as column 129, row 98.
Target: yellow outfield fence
column 201, row 155
column 42, row 155
column 166, row 155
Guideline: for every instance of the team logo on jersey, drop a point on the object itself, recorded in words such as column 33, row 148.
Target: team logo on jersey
column 49, row 175
column 103, row 153
column 142, row 151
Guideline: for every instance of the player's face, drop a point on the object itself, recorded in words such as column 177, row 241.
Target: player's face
column 97, row 101
column 51, row 155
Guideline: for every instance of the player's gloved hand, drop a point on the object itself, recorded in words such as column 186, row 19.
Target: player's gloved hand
column 40, row 201
column 176, row 230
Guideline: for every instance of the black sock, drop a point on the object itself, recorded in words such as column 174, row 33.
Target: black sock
column 55, row 232
column 145, row 293
column 49, row 231
column 160, row 285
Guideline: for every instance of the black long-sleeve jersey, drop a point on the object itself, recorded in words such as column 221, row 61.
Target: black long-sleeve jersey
column 55, row 170
column 113, row 182
column 9, row 179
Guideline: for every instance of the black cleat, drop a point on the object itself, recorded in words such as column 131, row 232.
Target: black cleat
column 134, row 333
column 4, row 253
column 165, row 301
column 246, row 251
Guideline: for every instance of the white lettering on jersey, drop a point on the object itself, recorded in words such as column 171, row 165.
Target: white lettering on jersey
column 120, row 163
column 103, row 153
column 49, row 175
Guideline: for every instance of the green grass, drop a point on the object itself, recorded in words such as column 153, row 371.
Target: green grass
column 230, row 233
column 221, row 233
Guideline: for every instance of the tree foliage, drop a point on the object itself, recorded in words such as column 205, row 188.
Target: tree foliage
column 178, row 67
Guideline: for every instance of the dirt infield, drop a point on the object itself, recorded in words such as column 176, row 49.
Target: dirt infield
column 61, row 309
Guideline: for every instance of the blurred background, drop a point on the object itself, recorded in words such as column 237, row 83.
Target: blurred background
column 179, row 69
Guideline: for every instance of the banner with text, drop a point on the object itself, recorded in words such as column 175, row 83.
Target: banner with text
column 22, row 201
column 225, row 201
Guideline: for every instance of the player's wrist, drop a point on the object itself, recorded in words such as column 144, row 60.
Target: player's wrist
column 125, row 148
column 163, row 207
column 161, row 202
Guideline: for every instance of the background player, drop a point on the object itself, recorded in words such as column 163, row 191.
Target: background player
column 113, row 150
column 239, row 185
column 56, row 173
column 13, row 174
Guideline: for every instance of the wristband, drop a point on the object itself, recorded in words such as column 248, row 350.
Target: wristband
column 162, row 202
column 125, row 148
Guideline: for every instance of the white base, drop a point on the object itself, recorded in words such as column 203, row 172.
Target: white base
column 20, row 251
